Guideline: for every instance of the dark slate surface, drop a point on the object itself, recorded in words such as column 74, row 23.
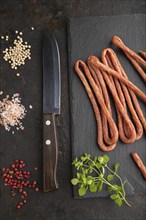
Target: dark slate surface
column 57, row 205
column 90, row 35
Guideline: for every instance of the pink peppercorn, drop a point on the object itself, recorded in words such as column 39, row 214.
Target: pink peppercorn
column 24, row 201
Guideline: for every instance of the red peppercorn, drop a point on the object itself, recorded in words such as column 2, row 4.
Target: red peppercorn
column 24, row 201
column 18, row 207
column 16, row 161
column 6, row 180
column 36, row 189
column 3, row 169
column 13, row 165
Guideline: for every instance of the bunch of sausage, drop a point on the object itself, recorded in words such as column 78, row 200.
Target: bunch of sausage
column 108, row 76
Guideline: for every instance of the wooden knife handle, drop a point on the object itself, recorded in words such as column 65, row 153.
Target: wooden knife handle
column 50, row 153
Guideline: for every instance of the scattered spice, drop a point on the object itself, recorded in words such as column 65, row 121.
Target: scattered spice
column 30, row 106
column 12, row 112
column 18, row 74
column 18, row 52
column 19, row 181
column 2, row 37
column 32, row 28
column 1, row 92
column 7, row 38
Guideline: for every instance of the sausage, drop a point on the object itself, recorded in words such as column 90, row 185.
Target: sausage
column 143, row 54
column 97, row 64
column 80, row 64
column 121, row 110
column 110, row 59
column 139, row 163
column 135, row 59
column 98, row 78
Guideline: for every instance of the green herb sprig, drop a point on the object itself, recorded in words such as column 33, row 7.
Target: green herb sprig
column 93, row 174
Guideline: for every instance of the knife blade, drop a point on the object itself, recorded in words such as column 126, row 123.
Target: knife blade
column 51, row 107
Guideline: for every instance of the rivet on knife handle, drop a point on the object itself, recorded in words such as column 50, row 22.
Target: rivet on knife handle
column 50, row 153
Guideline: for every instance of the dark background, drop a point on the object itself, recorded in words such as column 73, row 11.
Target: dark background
column 57, row 205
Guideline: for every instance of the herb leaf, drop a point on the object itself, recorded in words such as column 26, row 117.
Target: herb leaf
column 118, row 202
column 116, row 166
column 106, row 158
column 114, row 196
column 74, row 181
column 100, row 187
column 110, row 177
column 82, row 191
column 93, row 187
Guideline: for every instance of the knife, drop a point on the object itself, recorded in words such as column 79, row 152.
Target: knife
column 51, row 107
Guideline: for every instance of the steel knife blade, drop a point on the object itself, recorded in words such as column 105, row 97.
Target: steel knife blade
column 51, row 107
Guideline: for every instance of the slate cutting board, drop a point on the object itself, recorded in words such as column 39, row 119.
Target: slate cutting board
column 90, row 35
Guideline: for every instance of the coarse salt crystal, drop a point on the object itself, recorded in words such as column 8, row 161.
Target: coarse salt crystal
column 11, row 112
